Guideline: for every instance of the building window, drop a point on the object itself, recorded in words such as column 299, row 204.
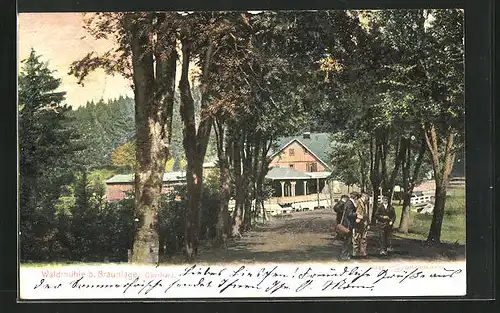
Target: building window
column 292, row 166
column 291, row 152
column 312, row 167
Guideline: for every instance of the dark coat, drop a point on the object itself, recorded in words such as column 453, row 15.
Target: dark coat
column 350, row 215
column 339, row 209
column 389, row 212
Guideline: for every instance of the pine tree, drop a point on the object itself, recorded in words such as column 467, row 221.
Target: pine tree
column 46, row 146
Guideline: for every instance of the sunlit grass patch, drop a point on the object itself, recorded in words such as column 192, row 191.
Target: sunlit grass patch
column 454, row 221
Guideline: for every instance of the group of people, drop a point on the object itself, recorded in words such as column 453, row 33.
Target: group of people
column 352, row 213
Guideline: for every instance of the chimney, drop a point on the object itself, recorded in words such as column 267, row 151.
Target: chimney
column 306, row 135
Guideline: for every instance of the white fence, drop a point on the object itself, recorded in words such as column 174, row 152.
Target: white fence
column 311, row 205
column 417, row 199
column 275, row 209
column 272, row 209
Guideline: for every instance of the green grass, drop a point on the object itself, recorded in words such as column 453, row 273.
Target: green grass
column 453, row 228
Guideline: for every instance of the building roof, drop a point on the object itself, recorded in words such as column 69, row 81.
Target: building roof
column 319, row 174
column 167, row 177
column 129, row 178
column 286, row 173
column 124, row 178
column 317, row 143
column 290, row 173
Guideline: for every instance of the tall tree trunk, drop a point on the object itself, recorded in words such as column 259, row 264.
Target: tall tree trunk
column 247, row 208
column 375, row 179
column 161, row 240
column 256, row 174
column 238, row 177
column 259, row 199
column 362, row 170
column 384, row 147
column 409, row 184
column 405, row 209
column 230, row 154
column 246, row 186
column 153, row 106
column 249, row 172
column 442, row 164
column 264, row 169
column 225, row 194
column 189, row 143
column 195, row 142
column 194, row 172
column 224, row 182
column 390, row 181
column 437, row 217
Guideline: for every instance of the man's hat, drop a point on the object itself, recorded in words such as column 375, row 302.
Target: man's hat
column 354, row 194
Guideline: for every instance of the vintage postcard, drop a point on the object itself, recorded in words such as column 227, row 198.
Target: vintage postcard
column 249, row 154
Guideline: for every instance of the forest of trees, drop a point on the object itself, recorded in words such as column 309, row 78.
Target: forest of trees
column 103, row 126
column 388, row 85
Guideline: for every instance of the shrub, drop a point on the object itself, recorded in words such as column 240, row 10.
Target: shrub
column 116, row 230
column 172, row 218
column 87, row 230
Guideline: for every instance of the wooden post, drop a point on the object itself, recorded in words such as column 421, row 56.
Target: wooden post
column 368, row 209
column 317, row 190
column 330, row 189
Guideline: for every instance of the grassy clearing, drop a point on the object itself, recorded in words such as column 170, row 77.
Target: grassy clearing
column 453, row 229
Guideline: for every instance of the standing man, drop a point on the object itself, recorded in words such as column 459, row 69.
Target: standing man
column 339, row 207
column 385, row 217
column 360, row 230
column 346, row 217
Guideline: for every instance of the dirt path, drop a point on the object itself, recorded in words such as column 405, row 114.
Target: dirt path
column 307, row 236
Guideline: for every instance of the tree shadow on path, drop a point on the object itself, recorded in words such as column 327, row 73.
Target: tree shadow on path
column 308, row 237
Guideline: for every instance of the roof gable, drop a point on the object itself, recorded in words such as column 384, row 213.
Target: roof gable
column 318, row 144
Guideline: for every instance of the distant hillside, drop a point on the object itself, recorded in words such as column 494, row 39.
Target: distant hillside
column 104, row 126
